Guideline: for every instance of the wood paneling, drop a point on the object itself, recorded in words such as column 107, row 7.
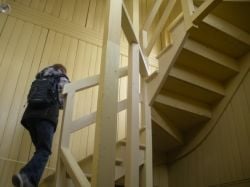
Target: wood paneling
column 223, row 158
column 26, row 49
column 39, row 33
column 160, row 176
column 82, row 12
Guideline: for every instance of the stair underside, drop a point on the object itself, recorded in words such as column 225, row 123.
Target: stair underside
column 226, row 29
column 184, row 88
column 219, row 41
column 162, row 141
column 182, row 120
column 234, row 11
column 237, row 13
column 205, row 66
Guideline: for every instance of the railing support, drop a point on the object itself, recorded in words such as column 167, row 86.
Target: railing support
column 67, row 118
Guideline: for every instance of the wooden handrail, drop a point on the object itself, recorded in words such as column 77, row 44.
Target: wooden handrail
column 89, row 82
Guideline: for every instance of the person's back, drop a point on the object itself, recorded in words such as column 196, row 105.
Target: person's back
column 41, row 123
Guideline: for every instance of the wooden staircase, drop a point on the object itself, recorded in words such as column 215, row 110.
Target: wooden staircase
column 199, row 71
column 86, row 165
column 201, row 79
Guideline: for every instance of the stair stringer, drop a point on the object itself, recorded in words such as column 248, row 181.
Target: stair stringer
column 231, row 89
column 167, row 59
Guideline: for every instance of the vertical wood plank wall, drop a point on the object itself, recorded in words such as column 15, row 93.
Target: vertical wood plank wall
column 39, row 33
column 224, row 157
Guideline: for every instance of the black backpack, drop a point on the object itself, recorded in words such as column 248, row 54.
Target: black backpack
column 44, row 92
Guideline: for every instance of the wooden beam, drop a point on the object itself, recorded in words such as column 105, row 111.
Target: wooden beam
column 184, row 104
column 132, row 148
column 134, row 14
column 73, row 169
column 130, row 34
column 175, row 22
column 188, row 9
column 167, row 126
column 151, row 16
column 211, row 54
column 160, row 26
column 166, row 61
column 127, row 26
column 106, row 122
column 205, row 8
column 197, row 80
column 89, row 82
column 83, row 122
column 91, row 118
column 228, row 28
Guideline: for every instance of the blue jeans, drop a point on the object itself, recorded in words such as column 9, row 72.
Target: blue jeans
column 41, row 133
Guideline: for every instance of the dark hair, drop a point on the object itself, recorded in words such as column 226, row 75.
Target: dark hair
column 61, row 67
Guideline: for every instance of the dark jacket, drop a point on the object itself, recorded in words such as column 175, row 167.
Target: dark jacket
column 51, row 112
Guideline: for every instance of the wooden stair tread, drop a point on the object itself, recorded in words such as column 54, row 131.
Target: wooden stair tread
column 219, row 39
column 211, row 54
column 192, row 91
column 196, row 79
column 184, row 103
column 205, row 66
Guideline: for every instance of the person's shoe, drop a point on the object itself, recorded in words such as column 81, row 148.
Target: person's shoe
column 21, row 180
column 17, row 180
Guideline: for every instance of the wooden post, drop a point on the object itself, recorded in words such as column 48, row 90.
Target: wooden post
column 134, row 14
column 188, row 10
column 132, row 149
column 147, row 169
column 106, row 122
column 65, row 129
